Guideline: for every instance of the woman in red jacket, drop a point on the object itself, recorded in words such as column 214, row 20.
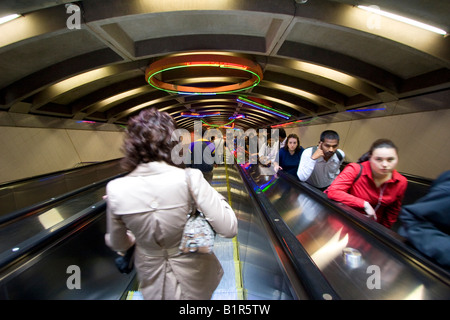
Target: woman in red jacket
column 372, row 187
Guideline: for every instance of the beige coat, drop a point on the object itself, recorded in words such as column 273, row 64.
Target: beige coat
column 151, row 202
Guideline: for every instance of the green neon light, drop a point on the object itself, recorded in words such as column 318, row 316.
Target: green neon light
column 264, row 106
column 266, row 188
column 217, row 125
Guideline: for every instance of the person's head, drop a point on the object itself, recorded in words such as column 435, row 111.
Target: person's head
column 383, row 156
column 292, row 143
column 330, row 135
column 329, row 142
column 281, row 134
column 148, row 138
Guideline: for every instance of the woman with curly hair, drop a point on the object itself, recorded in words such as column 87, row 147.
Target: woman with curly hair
column 148, row 208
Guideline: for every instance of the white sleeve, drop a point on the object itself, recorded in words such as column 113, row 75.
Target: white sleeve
column 262, row 150
column 306, row 166
column 343, row 156
column 273, row 152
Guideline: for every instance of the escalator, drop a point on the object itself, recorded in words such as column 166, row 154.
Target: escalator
column 289, row 246
column 60, row 254
column 46, row 264
column 52, row 211
column 359, row 258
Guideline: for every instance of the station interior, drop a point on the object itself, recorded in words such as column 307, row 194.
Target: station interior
column 74, row 72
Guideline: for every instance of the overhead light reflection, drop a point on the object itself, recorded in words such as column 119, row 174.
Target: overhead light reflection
column 417, row 294
column 330, row 250
column 50, row 218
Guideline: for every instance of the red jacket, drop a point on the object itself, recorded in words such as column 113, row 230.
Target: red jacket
column 390, row 194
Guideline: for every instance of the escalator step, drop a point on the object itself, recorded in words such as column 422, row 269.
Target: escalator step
column 134, row 295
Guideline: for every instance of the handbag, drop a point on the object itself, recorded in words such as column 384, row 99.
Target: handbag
column 198, row 235
column 125, row 263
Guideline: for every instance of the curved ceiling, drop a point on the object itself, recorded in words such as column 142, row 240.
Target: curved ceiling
column 318, row 58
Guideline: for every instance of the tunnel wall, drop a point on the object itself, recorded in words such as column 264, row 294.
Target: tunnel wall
column 423, row 139
column 27, row 152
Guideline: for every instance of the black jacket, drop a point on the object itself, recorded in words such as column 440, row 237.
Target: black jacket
column 203, row 157
column 426, row 223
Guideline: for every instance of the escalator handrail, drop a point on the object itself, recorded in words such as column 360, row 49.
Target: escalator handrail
column 315, row 283
column 381, row 233
column 6, row 218
column 54, row 174
column 35, row 242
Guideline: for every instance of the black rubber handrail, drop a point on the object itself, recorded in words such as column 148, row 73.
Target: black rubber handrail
column 381, row 233
column 417, row 179
column 314, row 282
column 54, row 173
column 34, row 243
column 37, row 207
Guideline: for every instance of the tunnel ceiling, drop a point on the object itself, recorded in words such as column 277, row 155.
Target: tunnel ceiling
column 319, row 58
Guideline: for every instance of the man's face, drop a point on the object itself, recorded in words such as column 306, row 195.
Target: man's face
column 329, row 147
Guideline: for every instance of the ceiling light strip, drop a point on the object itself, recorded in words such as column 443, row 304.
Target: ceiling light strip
column 376, row 10
column 8, row 18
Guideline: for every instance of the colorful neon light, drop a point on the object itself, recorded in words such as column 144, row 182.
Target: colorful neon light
column 238, row 116
column 292, row 124
column 365, row 110
column 199, row 115
column 262, row 107
column 266, row 186
column 285, row 124
column 229, row 127
column 86, row 121
column 216, row 64
column 203, row 60
column 225, row 125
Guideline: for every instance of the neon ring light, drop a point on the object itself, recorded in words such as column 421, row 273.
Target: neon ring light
column 203, row 60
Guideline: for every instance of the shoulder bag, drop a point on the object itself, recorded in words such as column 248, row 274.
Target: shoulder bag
column 198, row 235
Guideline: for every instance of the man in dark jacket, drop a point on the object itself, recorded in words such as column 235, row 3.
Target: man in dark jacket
column 426, row 223
column 202, row 154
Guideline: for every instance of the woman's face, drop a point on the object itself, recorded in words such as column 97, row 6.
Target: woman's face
column 292, row 144
column 383, row 160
